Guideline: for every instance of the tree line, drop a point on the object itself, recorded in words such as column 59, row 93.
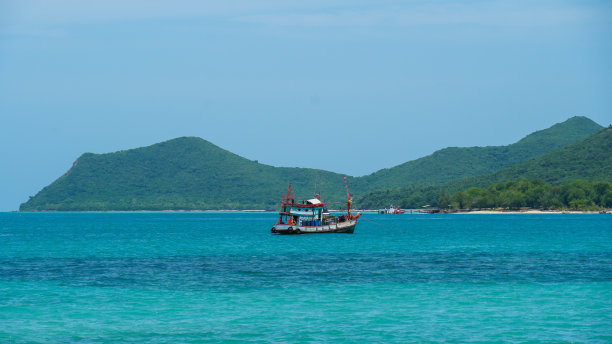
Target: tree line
column 535, row 194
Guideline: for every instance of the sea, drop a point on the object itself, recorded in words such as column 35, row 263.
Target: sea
column 224, row 278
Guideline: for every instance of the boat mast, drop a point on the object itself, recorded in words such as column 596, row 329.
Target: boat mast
column 290, row 197
column 286, row 198
column 349, row 198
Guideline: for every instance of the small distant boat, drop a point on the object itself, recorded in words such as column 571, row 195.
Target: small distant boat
column 312, row 216
column 391, row 210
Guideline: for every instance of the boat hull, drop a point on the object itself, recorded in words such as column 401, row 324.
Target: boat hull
column 342, row 227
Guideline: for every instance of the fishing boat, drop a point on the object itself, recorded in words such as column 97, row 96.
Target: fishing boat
column 312, row 216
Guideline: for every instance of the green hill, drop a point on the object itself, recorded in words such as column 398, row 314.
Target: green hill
column 456, row 163
column 191, row 173
column 589, row 159
column 184, row 173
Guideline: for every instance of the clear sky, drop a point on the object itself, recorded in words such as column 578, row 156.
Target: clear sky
column 370, row 84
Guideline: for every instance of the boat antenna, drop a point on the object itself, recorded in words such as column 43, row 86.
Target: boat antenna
column 317, row 189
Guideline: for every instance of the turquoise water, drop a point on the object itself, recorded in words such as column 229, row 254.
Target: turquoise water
column 222, row 277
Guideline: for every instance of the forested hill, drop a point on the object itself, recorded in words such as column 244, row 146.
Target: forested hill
column 184, row 173
column 589, row 159
column 191, row 173
column 456, row 163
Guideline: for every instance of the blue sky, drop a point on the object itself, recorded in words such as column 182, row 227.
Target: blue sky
column 375, row 83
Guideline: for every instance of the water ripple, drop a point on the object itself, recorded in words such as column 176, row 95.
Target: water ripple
column 220, row 272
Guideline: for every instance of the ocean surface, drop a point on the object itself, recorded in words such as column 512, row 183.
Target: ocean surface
column 222, row 277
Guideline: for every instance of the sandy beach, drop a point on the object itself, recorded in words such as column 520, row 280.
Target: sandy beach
column 491, row 212
column 534, row 211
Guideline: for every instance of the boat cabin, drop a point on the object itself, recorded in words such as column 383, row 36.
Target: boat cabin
column 312, row 212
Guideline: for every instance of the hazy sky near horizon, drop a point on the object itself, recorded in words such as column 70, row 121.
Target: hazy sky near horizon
column 371, row 83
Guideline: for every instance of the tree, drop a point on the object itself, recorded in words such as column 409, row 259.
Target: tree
column 458, row 200
column 444, row 200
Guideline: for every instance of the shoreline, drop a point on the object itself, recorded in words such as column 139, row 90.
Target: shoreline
column 145, row 211
column 514, row 212
column 365, row 211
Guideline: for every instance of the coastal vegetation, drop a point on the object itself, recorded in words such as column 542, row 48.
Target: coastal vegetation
column 190, row 173
column 588, row 160
column 533, row 194
column 512, row 195
column 186, row 173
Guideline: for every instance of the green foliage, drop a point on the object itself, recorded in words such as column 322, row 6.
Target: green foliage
column 190, row 173
column 536, row 194
column 181, row 174
column 444, row 201
column 455, row 163
column 589, row 159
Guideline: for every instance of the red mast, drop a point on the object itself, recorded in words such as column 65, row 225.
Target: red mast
column 349, row 198
column 286, row 198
